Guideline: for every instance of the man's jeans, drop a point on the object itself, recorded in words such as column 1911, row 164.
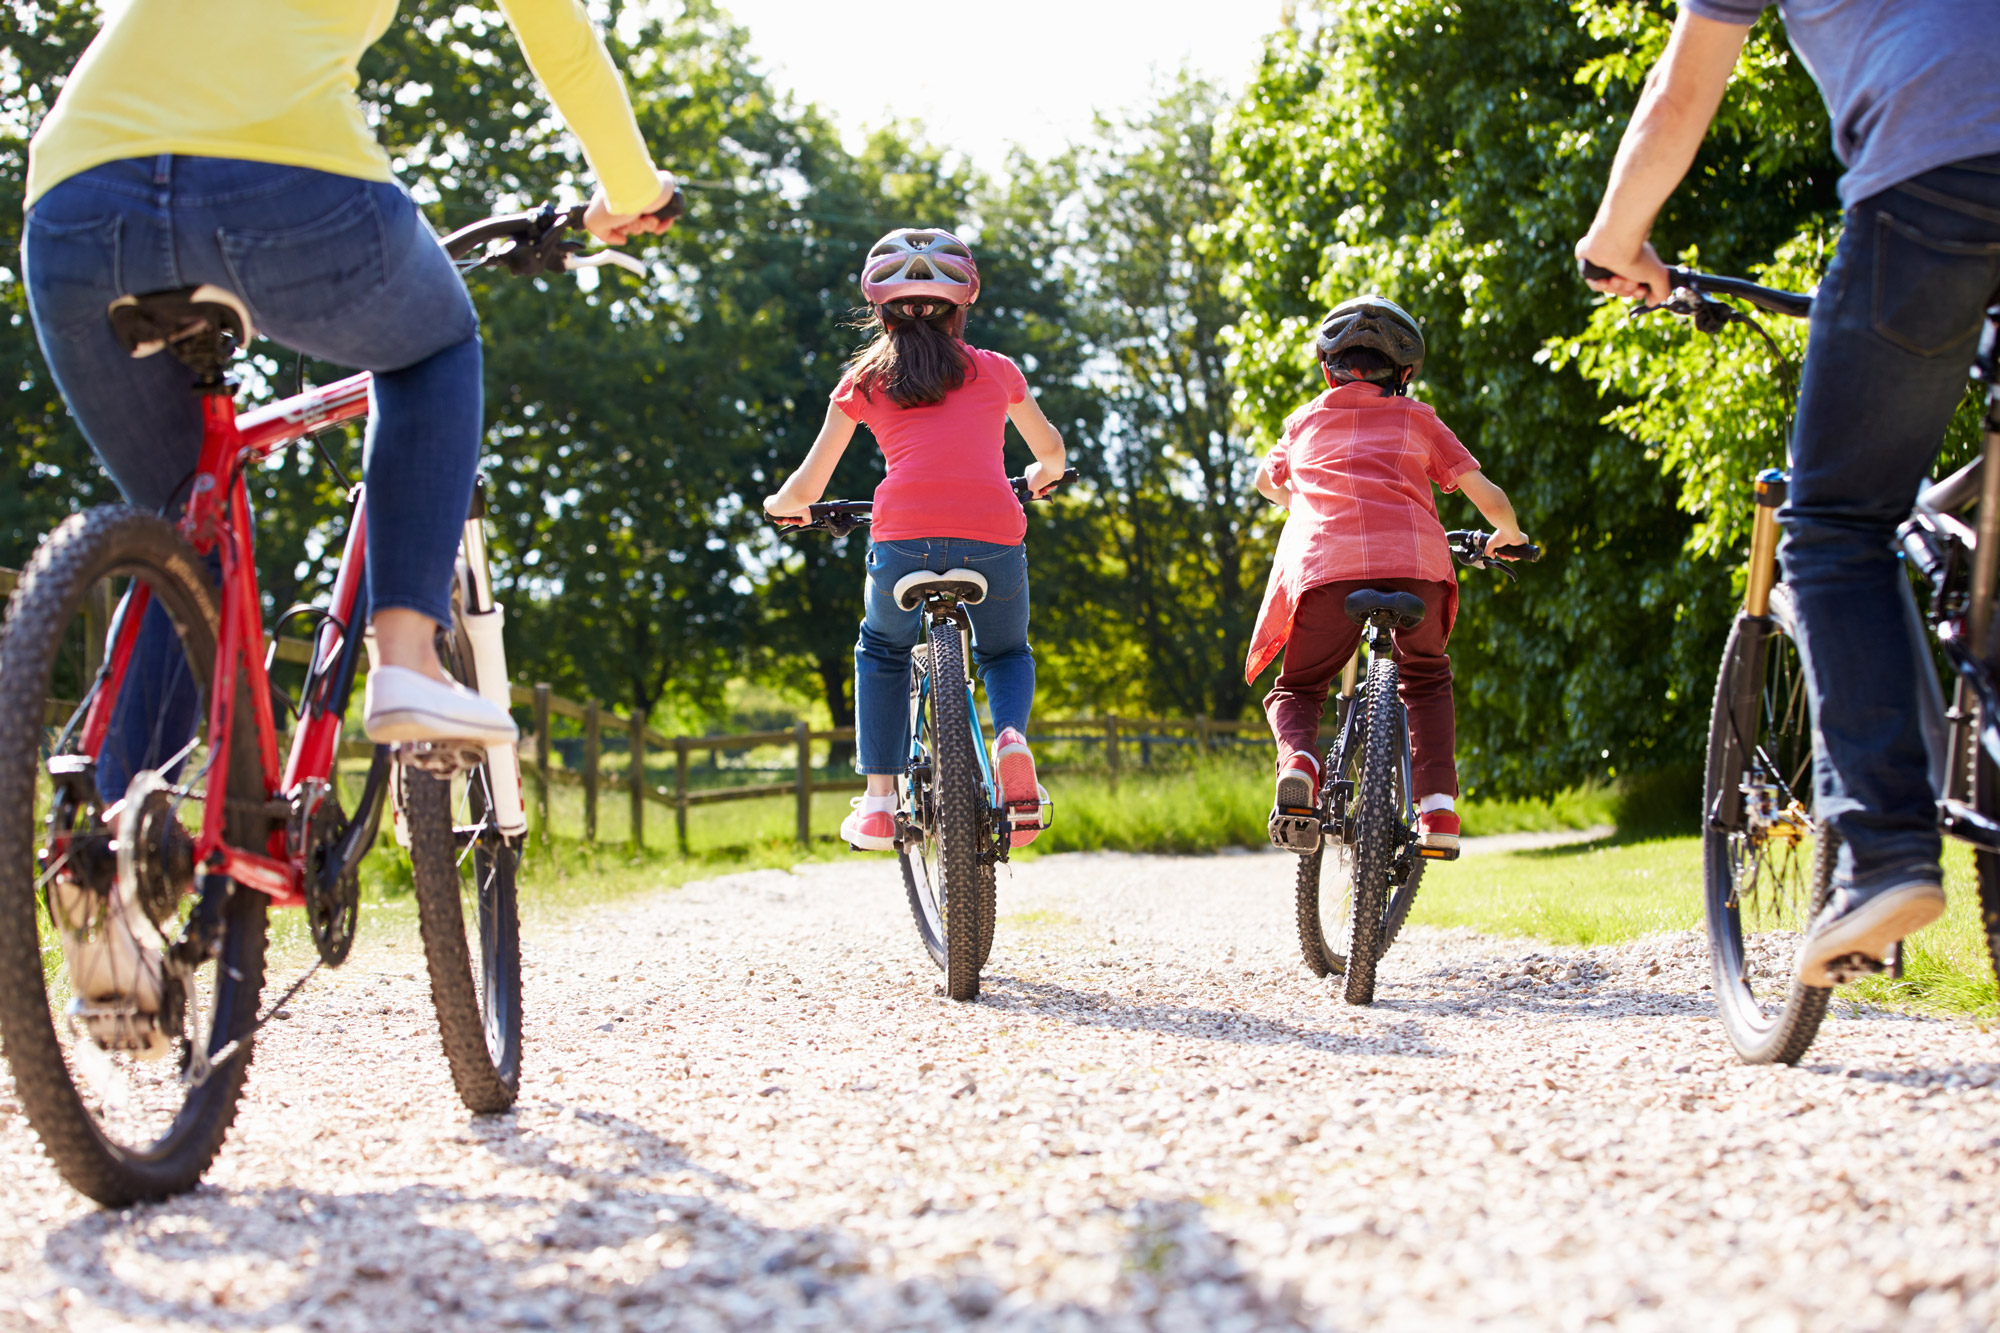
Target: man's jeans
column 1894, row 330
column 341, row 269
column 1000, row 649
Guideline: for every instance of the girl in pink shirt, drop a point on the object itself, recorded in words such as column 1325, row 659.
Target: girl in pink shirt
column 1355, row 470
column 939, row 409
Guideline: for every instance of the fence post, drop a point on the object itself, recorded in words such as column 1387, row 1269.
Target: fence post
column 681, row 793
column 1111, row 749
column 542, row 757
column 636, row 779
column 591, row 748
column 1201, row 733
column 805, row 784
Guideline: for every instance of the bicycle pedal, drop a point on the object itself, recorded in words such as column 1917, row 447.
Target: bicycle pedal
column 1853, row 967
column 1437, row 853
column 440, row 759
column 1295, row 830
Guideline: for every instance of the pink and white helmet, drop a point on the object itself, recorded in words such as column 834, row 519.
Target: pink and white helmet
column 918, row 262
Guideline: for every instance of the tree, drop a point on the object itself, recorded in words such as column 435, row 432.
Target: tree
column 1153, row 600
column 1447, row 154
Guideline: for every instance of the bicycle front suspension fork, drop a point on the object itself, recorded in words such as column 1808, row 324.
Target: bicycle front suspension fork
column 485, row 620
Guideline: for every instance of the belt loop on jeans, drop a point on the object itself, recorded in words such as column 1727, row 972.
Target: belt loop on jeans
column 163, row 169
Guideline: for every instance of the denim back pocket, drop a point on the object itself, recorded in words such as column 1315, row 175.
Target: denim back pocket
column 1928, row 290
column 303, row 276
column 73, row 273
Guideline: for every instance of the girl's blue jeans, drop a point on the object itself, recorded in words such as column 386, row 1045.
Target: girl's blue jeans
column 344, row 270
column 1000, row 651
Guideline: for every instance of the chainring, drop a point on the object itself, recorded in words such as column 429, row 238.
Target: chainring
column 333, row 903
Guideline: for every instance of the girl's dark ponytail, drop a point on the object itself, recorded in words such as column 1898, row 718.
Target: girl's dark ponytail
column 918, row 354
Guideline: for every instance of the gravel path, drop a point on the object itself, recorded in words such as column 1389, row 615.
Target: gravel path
column 749, row 1108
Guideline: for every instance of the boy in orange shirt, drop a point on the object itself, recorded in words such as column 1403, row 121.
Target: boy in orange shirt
column 1354, row 470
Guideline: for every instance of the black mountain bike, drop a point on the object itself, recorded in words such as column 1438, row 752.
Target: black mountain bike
column 1367, row 810
column 1768, row 859
column 952, row 828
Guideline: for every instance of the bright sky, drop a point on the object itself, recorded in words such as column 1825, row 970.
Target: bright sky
column 983, row 76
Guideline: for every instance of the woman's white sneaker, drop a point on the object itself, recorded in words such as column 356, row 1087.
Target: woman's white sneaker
column 402, row 705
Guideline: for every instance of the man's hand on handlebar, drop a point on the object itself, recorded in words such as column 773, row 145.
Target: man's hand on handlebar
column 616, row 228
column 1636, row 275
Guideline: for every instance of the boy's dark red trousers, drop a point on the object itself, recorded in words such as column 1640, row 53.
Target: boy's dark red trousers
column 1323, row 639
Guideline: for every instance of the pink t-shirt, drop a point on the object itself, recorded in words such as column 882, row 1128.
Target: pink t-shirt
column 947, row 476
column 1359, row 466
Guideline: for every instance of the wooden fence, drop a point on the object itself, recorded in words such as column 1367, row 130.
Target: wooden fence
column 1114, row 734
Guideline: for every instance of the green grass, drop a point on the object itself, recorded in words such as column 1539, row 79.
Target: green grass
column 1611, row 892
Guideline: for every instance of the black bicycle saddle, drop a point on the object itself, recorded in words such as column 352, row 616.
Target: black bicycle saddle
column 201, row 326
column 1379, row 606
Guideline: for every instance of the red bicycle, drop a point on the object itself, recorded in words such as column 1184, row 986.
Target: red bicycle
column 133, row 929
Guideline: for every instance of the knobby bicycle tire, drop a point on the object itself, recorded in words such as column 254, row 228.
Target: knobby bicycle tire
column 97, row 545
column 918, row 852
column 478, row 1000
column 1986, row 798
column 1377, row 820
column 1761, row 717
column 959, row 800
column 1322, row 937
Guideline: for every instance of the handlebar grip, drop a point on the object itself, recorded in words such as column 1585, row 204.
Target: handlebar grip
column 1593, row 272
column 671, row 211
column 1524, row 551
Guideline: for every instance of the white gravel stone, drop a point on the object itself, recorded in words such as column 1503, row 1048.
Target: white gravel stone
column 748, row 1107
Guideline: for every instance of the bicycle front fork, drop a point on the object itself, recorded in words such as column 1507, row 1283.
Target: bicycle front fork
column 484, row 623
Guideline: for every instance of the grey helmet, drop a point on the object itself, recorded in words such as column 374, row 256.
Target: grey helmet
column 1378, row 324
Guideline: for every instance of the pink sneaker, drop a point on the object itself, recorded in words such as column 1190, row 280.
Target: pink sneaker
column 869, row 830
column 1014, row 770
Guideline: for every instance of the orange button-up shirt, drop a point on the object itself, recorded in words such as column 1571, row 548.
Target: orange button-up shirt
column 1360, row 466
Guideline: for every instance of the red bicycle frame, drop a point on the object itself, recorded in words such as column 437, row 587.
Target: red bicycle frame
column 218, row 519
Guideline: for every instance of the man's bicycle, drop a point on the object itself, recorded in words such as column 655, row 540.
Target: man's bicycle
column 147, row 828
column 952, row 828
column 1367, row 810
column 1768, row 860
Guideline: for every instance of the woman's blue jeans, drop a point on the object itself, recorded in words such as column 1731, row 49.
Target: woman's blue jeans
column 344, row 270
column 1000, row 651
column 1894, row 330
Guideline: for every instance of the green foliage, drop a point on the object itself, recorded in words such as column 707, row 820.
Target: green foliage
column 1150, row 599
column 1447, row 154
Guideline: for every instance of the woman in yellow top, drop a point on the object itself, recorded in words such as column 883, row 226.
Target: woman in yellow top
column 221, row 141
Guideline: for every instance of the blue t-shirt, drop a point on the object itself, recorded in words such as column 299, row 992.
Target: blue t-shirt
column 1910, row 84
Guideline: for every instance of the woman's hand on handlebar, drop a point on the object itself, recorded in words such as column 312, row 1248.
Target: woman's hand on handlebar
column 616, row 228
column 1636, row 275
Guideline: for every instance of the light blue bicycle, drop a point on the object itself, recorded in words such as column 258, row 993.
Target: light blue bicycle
column 952, row 828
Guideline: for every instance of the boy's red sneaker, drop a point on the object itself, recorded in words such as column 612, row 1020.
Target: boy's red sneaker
column 1298, row 784
column 869, row 830
column 1438, row 829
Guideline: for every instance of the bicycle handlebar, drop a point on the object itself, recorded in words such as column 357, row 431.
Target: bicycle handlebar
column 1697, row 286
column 1468, row 547
column 540, row 244
column 841, row 517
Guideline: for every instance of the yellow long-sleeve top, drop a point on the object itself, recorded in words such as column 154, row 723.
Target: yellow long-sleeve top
column 274, row 81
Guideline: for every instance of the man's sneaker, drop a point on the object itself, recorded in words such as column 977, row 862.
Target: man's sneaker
column 402, row 706
column 869, row 830
column 1856, row 931
column 1014, row 770
column 1437, row 831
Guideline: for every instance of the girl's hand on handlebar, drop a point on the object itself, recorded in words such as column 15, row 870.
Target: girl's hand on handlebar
column 787, row 512
column 1636, row 275
column 615, row 228
column 1041, row 478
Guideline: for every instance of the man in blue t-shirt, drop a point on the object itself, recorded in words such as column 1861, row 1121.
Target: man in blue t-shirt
column 1913, row 88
